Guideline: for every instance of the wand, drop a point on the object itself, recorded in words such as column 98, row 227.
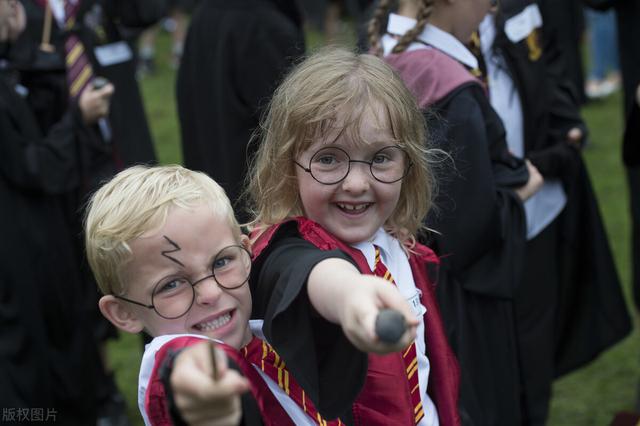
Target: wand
column 390, row 325
column 214, row 365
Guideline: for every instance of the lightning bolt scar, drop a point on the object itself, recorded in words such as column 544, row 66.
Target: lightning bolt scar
column 175, row 249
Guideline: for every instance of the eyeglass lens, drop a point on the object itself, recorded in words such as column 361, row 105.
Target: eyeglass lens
column 173, row 297
column 331, row 165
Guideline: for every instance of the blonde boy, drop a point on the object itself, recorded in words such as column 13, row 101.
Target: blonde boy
column 170, row 259
column 152, row 235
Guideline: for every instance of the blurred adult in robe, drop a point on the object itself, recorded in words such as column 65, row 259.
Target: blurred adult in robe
column 234, row 57
column 568, row 262
column 628, row 13
column 48, row 357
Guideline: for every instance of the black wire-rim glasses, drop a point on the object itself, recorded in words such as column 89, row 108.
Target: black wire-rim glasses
column 331, row 165
column 173, row 296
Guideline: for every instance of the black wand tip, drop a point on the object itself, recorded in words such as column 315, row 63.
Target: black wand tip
column 390, row 325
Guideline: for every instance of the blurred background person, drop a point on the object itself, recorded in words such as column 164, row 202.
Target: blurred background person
column 331, row 18
column 234, row 57
column 603, row 72
column 77, row 41
column 48, row 356
column 628, row 14
column 567, row 18
column 176, row 23
column 569, row 304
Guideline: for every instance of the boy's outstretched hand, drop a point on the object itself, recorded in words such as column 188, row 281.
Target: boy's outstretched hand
column 201, row 398
column 342, row 295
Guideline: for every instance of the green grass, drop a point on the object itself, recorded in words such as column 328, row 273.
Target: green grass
column 590, row 396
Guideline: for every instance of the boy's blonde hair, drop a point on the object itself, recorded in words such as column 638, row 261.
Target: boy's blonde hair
column 337, row 87
column 137, row 200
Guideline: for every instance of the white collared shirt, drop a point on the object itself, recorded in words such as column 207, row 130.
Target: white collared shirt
column 546, row 204
column 431, row 35
column 148, row 363
column 57, row 9
column 395, row 259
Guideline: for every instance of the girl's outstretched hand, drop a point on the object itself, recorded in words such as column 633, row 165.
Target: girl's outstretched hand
column 369, row 296
column 342, row 295
column 204, row 396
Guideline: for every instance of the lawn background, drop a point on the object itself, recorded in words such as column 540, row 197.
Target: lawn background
column 590, row 396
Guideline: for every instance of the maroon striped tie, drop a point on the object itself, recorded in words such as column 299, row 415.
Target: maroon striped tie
column 79, row 70
column 263, row 356
column 410, row 355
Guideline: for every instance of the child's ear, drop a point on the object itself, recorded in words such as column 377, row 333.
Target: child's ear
column 246, row 242
column 119, row 315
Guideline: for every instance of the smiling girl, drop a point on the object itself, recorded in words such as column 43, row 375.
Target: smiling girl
column 341, row 182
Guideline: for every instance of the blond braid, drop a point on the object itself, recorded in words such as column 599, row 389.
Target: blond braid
column 426, row 7
column 381, row 13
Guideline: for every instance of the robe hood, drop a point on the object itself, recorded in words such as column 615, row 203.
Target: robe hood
column 430, row 74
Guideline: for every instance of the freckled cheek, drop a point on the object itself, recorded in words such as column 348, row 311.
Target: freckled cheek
column 164, row 326
column 316, row 199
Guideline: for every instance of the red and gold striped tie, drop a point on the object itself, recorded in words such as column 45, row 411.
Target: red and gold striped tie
column 79, row 70
column 262, row 355
column 409, row 356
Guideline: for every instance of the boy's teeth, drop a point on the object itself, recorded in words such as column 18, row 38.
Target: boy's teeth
column 216, row 323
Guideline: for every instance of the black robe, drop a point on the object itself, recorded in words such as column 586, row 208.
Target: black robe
column 558, row 327
column 481, row 240
column 234, row 57
column 566, row 18
column 628, row 13
column 47, row 352
column 592, row 314
column 631, row 157
column 100, row 23
column 298, row 334
column 479, row 233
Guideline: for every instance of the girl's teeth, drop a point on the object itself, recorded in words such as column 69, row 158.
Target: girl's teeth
column 352, row 207
column 216, row 323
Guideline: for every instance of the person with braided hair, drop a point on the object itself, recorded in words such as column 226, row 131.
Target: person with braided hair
column 480, row 220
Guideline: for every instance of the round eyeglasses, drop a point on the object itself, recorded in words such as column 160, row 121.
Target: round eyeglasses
column 173, row 297
column 332, row 165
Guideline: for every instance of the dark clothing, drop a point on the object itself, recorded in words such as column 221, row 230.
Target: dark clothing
column 593, row 314
column 631, row 157
column 47, row 354
column 564, row 25
column 633, row 180
column 628, row 13
column 549, row 104
column 383, row 399
column 481, row 245
column 554, row 289
column 536, row 304
column 549, row 109
column 185, row 6
column 481, row 232
column 279, row 292
column 315, row 11
column 549, row 112
column 631, row 142
column 235, row 55
column 99, row 24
